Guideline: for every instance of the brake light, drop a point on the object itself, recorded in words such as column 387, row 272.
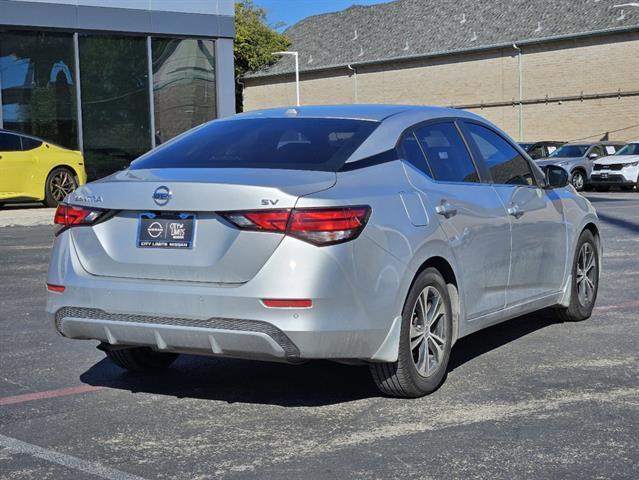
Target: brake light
column 68, row 215
column 319, row 226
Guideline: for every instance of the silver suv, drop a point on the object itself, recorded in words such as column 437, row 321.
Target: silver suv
column 376, row 234
column 577, row 159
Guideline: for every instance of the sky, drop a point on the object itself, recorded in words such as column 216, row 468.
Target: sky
column 292, row 11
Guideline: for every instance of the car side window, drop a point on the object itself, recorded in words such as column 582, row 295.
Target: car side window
column 446, row 153
column 30, row 143
column 537, row 152
column 506, row 165
column 412, row 153
column 599, row 151
column 9, row 143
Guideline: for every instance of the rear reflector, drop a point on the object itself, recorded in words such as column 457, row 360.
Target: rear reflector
column 319, row 226
column 280, row 303
column 55, row 288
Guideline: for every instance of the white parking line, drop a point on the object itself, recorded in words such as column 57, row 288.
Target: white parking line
column 93, row 468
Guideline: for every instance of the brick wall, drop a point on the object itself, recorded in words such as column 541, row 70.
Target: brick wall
column 588, row 66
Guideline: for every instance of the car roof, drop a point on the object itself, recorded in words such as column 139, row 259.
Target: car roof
column 374, row 112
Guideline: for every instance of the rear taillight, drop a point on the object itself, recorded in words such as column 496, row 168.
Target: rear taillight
column 68, row 215
column 319, row 226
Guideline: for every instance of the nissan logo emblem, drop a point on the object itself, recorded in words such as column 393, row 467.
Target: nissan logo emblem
column 162, row 195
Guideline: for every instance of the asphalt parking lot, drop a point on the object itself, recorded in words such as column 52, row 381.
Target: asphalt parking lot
column 531, row 398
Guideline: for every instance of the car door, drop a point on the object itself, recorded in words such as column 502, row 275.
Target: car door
column 539, row 250
column 11, row 165
column 470, row 213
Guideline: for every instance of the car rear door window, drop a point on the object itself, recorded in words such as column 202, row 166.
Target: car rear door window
column 446, row 153
column 30, row 143
column 412, row 153
column 9, row 142
column 506, row 165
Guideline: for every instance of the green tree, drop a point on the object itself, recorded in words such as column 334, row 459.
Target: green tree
column 255, row 42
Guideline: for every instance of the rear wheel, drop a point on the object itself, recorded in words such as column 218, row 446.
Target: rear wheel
column 578, row 180
column 585, row 280
column 603, row 188
column 141, row 359
column 425, row 341
column 60, row 183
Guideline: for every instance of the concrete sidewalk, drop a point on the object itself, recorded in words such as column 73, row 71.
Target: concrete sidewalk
column 25, row 215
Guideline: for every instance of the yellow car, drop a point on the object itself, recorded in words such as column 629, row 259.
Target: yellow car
column 33, row 169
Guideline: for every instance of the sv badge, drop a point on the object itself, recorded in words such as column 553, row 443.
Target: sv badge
column 266, row 201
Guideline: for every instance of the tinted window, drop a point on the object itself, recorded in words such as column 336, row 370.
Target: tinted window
column 288, row 143
column 446, row 153
column 412, row 152
column 506, row 165
column 9, row 142
column 30, row 143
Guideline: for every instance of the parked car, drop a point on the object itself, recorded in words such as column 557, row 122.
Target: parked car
column 376, row 234
column 32, row 169
column 620, row 169
column 577, row 159
column 540, row 149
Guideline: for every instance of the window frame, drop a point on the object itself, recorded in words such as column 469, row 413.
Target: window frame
column 481, row 173
column 539, row 180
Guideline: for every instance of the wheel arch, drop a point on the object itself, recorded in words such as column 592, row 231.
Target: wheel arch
column 446, row 270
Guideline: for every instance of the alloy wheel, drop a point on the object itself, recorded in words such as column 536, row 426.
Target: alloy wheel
column 578, row 181
column 428, row 331
column 586, row 275
column 62, row 183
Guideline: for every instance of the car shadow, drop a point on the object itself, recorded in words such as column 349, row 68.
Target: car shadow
column 316, row 383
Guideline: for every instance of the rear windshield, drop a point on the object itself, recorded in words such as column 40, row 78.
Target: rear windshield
column 287, row 143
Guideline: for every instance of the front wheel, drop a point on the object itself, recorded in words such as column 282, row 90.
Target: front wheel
column 59, row 184
column 425, row 341
column 585, row 280
column 578, row 180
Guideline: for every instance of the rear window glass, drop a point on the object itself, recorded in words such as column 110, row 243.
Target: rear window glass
column 287, row 143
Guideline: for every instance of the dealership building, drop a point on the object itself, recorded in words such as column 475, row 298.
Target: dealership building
column 541, row 70
column 114, row 78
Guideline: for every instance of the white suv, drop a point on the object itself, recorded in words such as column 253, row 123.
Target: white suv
column 620, row 169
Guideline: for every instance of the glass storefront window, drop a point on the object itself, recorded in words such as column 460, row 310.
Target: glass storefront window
column 38, row 85
column 183, row 85
column 115, row 102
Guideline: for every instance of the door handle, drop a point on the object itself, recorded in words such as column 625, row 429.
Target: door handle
column 446, row 209
column 515, row 211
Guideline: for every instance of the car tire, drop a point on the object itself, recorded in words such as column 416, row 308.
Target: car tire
column 427, row 313
column 578, row 180
column 603, row 188
column 580, row 306
column 141, row 359
column 60, row 182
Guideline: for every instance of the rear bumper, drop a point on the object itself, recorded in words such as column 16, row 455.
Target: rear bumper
column 213, row 336
column 355, row 289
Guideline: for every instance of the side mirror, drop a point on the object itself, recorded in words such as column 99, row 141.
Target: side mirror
column 556, row 177
column 593, row 156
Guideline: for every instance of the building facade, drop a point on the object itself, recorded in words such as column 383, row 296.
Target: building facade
column 114, row 78
column 542, row 70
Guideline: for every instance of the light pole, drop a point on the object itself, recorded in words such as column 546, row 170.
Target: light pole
column 297, row 73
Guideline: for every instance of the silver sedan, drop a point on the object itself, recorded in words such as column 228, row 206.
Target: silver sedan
column 368, row 234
